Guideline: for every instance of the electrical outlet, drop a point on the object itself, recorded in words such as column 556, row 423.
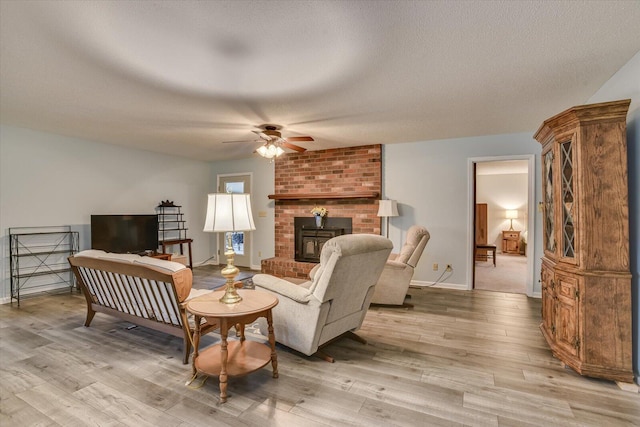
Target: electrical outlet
column 259, row 254
column 435, row 266
column 449, row 268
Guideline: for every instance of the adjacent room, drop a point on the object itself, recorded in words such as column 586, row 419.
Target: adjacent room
column 320, row 213
column 502, row 194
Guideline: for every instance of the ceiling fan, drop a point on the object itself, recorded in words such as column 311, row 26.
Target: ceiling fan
column 272, row 140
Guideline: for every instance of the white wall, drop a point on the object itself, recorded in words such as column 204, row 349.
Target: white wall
column 48, row 179
column 501, row 192
column 430, row 182
column 625, row 84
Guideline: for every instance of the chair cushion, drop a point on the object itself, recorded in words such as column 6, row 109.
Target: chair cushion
column 163, row 264
column 91, row 253
column 167, row 266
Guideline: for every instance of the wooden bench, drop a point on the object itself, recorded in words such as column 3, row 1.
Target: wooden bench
column 145, row 291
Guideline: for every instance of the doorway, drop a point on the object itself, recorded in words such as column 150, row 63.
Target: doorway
column 501, row 222
column 240, row 240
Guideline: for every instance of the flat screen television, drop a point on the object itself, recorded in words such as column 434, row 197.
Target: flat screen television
column 124, row 233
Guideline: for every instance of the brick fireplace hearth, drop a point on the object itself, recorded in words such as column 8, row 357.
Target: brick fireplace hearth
column 346, row 181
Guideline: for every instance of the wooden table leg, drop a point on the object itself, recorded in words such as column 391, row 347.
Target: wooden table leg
column 196, row 343
column 272, row 343
column 224, row 354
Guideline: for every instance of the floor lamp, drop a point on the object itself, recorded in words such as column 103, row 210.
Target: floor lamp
column 388, row 208
column 226, row 213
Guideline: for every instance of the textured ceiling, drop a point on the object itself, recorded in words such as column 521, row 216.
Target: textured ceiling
column 181, row 77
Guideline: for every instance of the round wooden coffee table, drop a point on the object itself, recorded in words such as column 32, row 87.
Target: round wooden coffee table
column 237, row 357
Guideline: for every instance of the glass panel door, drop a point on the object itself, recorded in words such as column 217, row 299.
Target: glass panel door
column 237, row 237
column 549, row 212
column 240, row 240
column 567, row 199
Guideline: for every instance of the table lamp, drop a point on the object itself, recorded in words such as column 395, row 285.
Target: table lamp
column 511, row 215
column 226, row 213
column 388, row 208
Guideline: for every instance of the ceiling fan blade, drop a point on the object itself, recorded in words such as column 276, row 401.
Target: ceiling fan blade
column 262, row 135
column 299, row 138
column 293, row 147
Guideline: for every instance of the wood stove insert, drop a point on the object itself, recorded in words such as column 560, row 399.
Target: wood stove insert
column 310, row 238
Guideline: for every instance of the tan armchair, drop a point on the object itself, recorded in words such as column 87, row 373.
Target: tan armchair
column 335, row 300
column 396, row 277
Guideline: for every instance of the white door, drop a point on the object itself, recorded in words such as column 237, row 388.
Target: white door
column 240, row 240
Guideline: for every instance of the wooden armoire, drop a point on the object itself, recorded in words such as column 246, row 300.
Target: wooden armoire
column 481, row 231
column 586, row 281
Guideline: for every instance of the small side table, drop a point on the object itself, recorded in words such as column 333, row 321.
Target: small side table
column 238, row 357
column 511, row 242
column 165, row 243
column 161, row 256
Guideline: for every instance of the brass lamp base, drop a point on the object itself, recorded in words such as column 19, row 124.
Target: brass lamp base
column 230, row 272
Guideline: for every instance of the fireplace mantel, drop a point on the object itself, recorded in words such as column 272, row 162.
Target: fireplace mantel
column 325, row 196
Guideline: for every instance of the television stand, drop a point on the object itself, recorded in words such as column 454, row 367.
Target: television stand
column 180, row 242
column 161, row 256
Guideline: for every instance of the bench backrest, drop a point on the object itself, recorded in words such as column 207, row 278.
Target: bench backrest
column 138, row 289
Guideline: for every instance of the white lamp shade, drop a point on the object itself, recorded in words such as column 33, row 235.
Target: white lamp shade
column 388, row 208
column 511, row 214
column 229, row 212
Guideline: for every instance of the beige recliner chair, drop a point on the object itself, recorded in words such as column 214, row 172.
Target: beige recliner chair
column 396, row 277
column 335, row 300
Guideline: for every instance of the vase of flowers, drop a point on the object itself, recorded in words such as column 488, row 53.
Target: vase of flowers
column 319, row 214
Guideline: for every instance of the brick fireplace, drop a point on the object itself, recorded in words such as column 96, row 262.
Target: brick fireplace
column 346, row 181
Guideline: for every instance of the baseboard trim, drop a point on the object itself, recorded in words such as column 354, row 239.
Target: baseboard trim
column 424, row 284
column 41, row 290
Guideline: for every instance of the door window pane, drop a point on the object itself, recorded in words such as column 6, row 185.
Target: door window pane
column 237, row 241
column 234, row 187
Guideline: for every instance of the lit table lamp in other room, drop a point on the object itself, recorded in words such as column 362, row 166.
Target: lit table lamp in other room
column 388, row 208
column 511, row 215
column 226, row 213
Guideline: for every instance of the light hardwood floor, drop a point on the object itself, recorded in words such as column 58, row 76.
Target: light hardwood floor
column 459, row 358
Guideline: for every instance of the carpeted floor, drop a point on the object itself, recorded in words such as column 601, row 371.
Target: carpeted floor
column 509, row 274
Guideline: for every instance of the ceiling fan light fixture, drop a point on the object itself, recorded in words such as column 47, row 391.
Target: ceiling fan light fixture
column 270, row 150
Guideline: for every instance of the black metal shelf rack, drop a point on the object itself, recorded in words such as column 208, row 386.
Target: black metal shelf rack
column 171, row 225
column 38, row 258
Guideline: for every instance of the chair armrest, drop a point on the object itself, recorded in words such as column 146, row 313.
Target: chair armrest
column 314, row 270
column 395, row 265
column 282, row 287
